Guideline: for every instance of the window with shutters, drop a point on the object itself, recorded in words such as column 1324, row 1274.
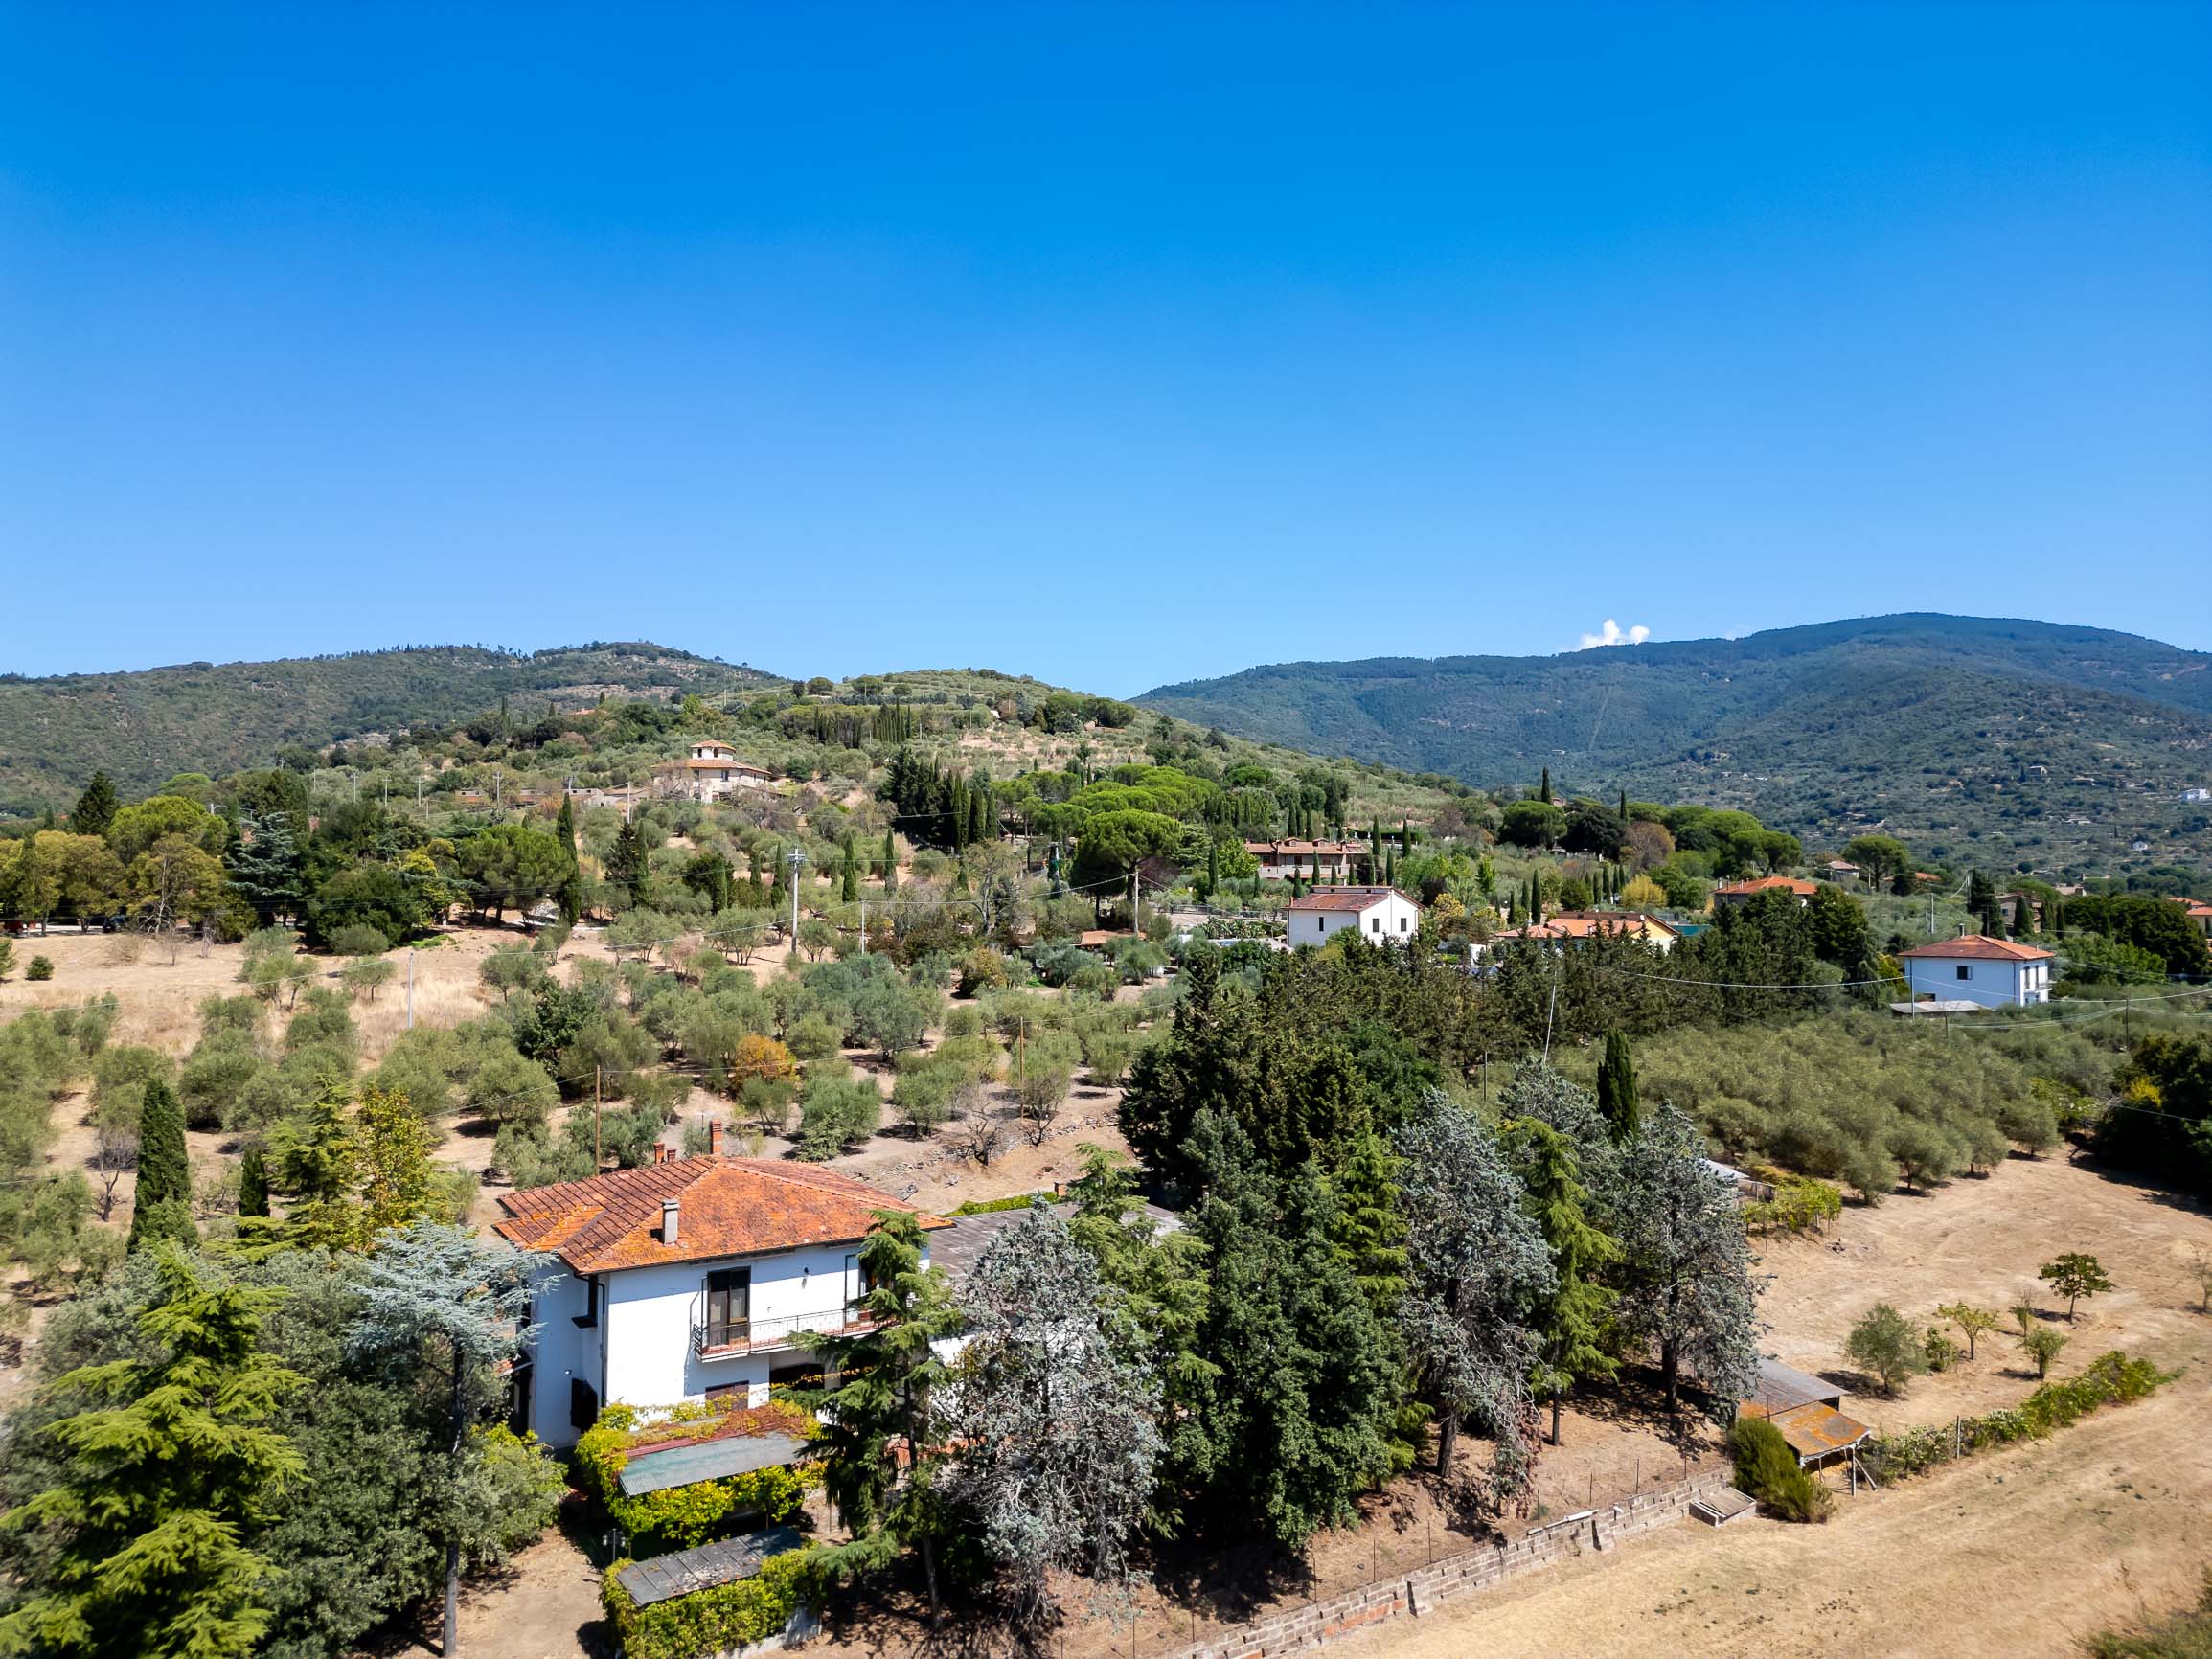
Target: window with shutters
column 729, row 1306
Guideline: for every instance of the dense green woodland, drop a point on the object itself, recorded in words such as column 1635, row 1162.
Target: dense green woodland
column 1979, row 741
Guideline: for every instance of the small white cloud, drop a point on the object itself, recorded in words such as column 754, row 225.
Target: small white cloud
column 1616, row 635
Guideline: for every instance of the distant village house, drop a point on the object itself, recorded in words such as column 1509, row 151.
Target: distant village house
column 709, row 772
column 1380, row 914
column 1985, row 973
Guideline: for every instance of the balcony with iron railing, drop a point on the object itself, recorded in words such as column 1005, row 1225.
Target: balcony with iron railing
column 732, row 1338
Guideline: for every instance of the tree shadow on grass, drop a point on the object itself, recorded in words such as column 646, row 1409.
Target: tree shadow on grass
column 1638, row 1400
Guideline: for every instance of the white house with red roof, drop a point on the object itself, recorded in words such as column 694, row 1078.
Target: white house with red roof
column 1990, row 972
column 689, row 1279
column 1379, row 915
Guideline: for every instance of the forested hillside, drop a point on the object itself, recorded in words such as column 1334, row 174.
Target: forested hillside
column 143, row 728
column 2042, row 744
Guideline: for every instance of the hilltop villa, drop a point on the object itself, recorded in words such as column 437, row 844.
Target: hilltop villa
column 710, row 771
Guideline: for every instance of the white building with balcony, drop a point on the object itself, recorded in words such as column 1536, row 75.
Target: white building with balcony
column 691, row 1280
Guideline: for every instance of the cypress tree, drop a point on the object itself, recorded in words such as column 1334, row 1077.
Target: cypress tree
column 95, row 808
column 253, row 1183
column 570, row 897
column 160, row 1207
column 1571, row 1321
column 890, row 862
column 1543, row 791
column 957, row 812
column 1617, row 1090
column 627, row 865
column 848, row 876
column 1212, row 865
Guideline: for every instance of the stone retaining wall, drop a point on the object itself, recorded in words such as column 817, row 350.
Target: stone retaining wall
column 1298, row 1628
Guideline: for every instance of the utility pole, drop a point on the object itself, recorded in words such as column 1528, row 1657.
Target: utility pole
column 796, row 857
column 596, row 1153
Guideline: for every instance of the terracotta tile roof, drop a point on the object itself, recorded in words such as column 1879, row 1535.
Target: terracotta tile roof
column 1347, row 898
column 727, row 1207
column 1769, row 884
column 1977, row 947
column 1588, row 923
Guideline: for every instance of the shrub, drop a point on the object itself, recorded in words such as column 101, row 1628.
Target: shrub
column 705, row 1622
column 6, row 957
column 2042, row 1345
column 1885, row 1342
column 360, row 938
column 1940, row 1350
column 215, row 1075
column 1767, row 1468
column 683, row 1517
column 40, row 968
column 981, row 969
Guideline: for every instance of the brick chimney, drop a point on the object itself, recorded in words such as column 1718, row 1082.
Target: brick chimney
column 670, row 1214
column 714, row 1138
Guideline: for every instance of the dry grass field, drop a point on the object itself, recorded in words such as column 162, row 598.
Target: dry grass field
column 2021, row 1552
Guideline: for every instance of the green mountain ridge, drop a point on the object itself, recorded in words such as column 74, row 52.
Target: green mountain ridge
column 144, row 727
column 2054, row 746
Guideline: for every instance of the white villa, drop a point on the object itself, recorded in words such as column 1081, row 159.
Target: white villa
column 689, row 1279
column 710, row 771
column 1381, row 915
column 1988, row 972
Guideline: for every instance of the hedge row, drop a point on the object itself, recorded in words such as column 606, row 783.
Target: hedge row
column 707, row 1621
column 683, row 1517
column 2110, row 1379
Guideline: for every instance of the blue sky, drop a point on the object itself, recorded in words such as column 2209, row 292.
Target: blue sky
column 1116, row 344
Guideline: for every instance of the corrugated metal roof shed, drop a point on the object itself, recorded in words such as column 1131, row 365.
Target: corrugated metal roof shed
column 708, row 1460
column 1781, row 1387
column 1816, row 1431
column 662, row 1578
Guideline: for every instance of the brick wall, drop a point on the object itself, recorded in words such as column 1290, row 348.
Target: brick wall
column 1298, row 1628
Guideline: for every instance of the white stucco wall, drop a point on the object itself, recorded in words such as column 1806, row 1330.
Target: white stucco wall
column 561, row 1353
column 641, row 1352
column 1990, row 983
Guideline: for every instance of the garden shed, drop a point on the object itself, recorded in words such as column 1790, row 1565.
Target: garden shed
column 1807, row 1410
